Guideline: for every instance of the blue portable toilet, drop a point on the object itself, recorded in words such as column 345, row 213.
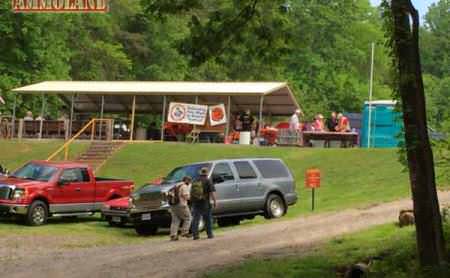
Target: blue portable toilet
column 386, row 124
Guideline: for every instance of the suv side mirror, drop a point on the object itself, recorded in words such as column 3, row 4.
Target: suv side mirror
column 217, row 179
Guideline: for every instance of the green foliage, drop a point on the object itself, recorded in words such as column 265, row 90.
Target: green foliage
column 322, row 48
column 441, row 151
column 435, row 51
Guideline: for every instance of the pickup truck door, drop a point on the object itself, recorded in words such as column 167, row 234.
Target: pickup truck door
column 249, row 186
column 227, row 191
column 75, row 192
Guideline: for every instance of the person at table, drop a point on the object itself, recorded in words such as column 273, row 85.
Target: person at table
column 295, row 128
column 294, row 121
column 237, row 124
column 318, row 124
column 28, row 116
column 332, row 122
column 343, row 123
column 247, row 120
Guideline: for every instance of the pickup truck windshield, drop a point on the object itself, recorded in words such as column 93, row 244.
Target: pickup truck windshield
column 190, row 170
column 33, row 171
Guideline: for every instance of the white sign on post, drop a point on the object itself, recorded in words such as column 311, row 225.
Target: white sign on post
column 217, row 115
column 186, row 113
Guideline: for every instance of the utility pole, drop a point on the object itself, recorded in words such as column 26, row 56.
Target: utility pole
column 370, row 95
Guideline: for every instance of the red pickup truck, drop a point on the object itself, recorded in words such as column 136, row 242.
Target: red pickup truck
column 43, row 189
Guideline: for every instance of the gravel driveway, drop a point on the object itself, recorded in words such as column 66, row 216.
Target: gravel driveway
column 187, row 258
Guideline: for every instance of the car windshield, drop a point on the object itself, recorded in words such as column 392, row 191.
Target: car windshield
column 34, row 171
column 192, row 171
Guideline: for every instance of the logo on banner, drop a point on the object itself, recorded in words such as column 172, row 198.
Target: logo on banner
column 185, row 113
column 178, row 112
column 217, row 115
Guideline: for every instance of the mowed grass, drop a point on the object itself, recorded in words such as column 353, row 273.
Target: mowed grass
column 395, row 248
column 15, row 153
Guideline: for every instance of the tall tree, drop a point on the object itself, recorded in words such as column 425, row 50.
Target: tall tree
column 403, row 23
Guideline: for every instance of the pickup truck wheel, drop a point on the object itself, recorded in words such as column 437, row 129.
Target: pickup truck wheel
column 146, row 229
column 275, row 207
column 37, row 214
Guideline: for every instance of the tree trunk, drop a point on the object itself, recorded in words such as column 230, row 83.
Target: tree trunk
column 430, row 239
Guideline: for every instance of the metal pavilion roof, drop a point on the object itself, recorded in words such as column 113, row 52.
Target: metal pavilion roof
column 278, row 98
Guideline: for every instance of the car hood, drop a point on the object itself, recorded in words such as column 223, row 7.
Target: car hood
column 119, row 203
column 152, row 196
column 17, row 182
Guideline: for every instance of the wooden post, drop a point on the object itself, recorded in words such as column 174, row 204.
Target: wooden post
column 227, row 127
column 101, row 118
column 93, row 130
column 163, row 121
column 66, row 153
column 41, row 123
column 194, row 126
column 71, row 116
column 13, row 124
column 133, row 110
column 260, row 121
column 20, row 130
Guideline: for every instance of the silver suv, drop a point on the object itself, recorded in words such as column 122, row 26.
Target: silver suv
column 245, row 187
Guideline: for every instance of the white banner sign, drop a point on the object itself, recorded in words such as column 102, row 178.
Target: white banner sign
column 217, row 115
column 187, row 113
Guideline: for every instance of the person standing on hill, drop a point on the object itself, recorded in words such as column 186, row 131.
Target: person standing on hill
column 294, row 128
column 203, row 192
column 247, row 120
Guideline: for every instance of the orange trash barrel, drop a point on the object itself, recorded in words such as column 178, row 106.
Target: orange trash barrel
column 312, row 178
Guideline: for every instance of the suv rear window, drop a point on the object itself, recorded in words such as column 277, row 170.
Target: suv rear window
column 245, row 170
column 271, row 169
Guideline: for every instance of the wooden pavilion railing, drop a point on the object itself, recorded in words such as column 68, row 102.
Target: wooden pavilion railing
column 90, row 127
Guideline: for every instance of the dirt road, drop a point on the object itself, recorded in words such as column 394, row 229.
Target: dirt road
column 187, row 258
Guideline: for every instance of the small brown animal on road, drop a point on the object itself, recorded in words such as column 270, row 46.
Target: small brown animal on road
column 406, row 217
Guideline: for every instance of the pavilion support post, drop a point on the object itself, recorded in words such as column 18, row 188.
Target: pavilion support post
column 194, row 127
column 163, row 118
column 71, row 116
column 41, row 123
column 227, row 127
column 260, row 121
column 133, row 111
column 101, row 118
column 13, row 124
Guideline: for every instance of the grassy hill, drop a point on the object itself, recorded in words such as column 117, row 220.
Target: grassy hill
column 14, row 153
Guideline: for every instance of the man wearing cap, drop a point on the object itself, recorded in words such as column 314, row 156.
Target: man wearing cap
column 203, row 199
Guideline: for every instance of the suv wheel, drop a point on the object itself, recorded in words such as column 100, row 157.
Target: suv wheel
column 37, row 214
column 146, row 229
column 275, row 207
